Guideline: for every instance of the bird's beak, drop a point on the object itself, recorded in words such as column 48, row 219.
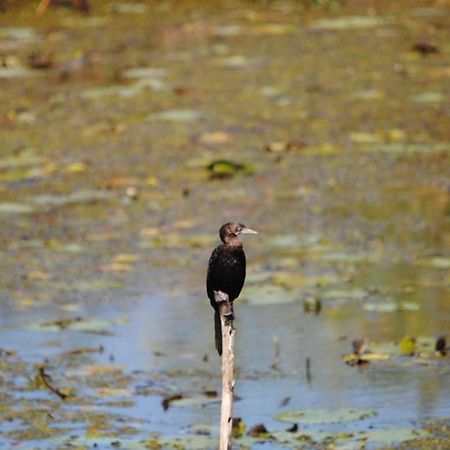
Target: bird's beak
column 248, row 231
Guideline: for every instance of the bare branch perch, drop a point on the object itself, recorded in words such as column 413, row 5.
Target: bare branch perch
column 228, row 332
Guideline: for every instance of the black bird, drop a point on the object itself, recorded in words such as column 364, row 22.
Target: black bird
column 226, row 271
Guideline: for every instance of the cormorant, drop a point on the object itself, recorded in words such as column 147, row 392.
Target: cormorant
column 226, row 271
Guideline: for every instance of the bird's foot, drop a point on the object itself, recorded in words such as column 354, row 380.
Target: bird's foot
column 228, row 316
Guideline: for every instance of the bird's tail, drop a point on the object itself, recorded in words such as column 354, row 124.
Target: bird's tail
column 218, row 332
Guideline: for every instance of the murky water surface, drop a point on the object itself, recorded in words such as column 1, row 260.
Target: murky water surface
column 128, row 136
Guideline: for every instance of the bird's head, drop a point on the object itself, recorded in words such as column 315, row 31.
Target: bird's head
column 230, row 231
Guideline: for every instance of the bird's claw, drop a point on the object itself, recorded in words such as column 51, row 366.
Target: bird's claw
column 225, row 306
column 228, row 316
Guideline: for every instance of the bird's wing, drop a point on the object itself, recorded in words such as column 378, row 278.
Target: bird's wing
column 226, row 272
column 212, row 269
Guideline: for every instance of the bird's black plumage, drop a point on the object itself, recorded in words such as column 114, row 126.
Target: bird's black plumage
column 226, row 270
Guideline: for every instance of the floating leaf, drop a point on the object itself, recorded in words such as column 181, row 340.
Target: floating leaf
column 439, row 262
column 15, row 208
column 407, row 346
column 405, row 148
column 174, row 240
column 113, row 392
column 198, row 400
column 321, row 416
column 351, row 22
column 116, row 267
column 369, row 94
column 428, row 97
column 393, row 435
column 129, row 8
column 312, row 304
column 25, row 159
column 76, row 167
column 19, row 72
column 273, row 29
column 84, row 196
column 215, row 137
column 228, row 30
column 345, row 440
column 286, row 241
column 344, row 294
column 223, row 168
column 38, row 275
column 353, row 359
column 96, row 285
column 258, row 430
column 353, row 257
column 78, row 324
column 290, row 280
column 126, row 258
column 91, row 370
column 20, row 33
column 235, row 62
column 324, row 149
column 268, row 295
column 196, row 442
column 238, row 427
column 389, row 307
column 109, row 91
column 145, row 72
column 360, row 137
column 176, row 115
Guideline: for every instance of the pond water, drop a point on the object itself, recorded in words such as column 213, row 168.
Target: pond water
column 131, row 134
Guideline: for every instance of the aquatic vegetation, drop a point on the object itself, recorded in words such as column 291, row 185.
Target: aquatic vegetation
column 130, row 134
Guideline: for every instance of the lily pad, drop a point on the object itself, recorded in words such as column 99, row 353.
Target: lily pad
column 428, row 97
column 110, row 91
column 368, row 94
column 290, row 280
column 326, row 439
column 197, row 442
column 360, row 137
column 405, row 148
column 176, row 115
column 344, row 294
column 145, row 72
column 19, row 72
column 286, row 241
column 95, row 285
column 177, row 240
column 20, row 33
column 236, row 61
column 215, row 137
column 351, row 23
column 389, row 307
column 15, row 208
column 392, row 435
column 228, row 30
column 24, row 159
column 198, row 400
column 84, row 196
column 347, row 257
column 274, row 29
column 439, row 262
column 129, row 8
column 79, row 324
column 268, row 295
column 322, row 416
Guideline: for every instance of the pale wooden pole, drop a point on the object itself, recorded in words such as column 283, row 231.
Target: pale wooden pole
column 228, row 332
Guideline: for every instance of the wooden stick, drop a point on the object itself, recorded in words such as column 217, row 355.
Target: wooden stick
column 228, row 332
